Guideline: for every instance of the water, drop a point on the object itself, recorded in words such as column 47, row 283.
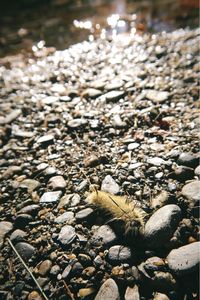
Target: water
column 62, row 24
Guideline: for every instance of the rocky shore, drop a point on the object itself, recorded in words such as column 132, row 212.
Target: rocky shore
column 119, row 115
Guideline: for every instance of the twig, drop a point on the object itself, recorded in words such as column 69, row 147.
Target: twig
column 69, row 293
column 27, row 268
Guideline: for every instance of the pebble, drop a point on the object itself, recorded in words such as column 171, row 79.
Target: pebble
column 25, row 250
column 160, row 296
column 91, row 161
column 55, row 270
column 18, row 236
column 12, row 116
column 197, row 171
column 132, row 293
column 157, row 96
column 113, row 96
column 10, row 171
column 76, row 123
column 57, row 183
column 67, row 235
column 50, row 197
column 66, row 272
column 34, row 296
column 188, row 159
column 69, row 200
column 84, row 292
column 46, row 139
column 5, row 228
column 30, row 184
column 44, row 267
column 192, row 192
column 185, row 259
column 183, row 173
column 91, row 93
column 109, row 185
column 119, row 254
column 108, row 290
column 161, row 225
column 84, row 214
column 133, row 146
column 29, row 209
column 104, row 235
column 67, row 216
column 156, row 161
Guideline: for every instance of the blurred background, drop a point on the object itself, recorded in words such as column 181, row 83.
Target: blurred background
column 61, row 23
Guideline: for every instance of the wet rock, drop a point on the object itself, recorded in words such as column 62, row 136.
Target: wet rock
column 44, row 267
column 84, row 214
column 57, row 183
column 192, row 192
column 68, row 216
column 119, row 254
column 157, row 96
column 108, row 290
column 109, row 185
column 113, row 96
column 67, row 235
column 50, row 197
column 132, row 293
column 5, row 228
column 18, row 236
column 25, row 250
column 161, row 225
column 185, row 259
column 104, row 235
column 188, row 159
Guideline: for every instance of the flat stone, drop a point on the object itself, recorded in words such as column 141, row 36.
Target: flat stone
column 18, row 236
column 5, row 228
column 91, row 93
column 10, row 171
column 57, row 182
column 66, row 272
column 50, row 197
column 29, row 209
column 44, row 267
column 113, row 96
column 192, row 192
column 68, row 216
column 84, row 214
column 30, row 184
column 49, row 138
column 104, row 235
column 157, row 96
column 160, row 296
column 67, row 235
column 25, row 250
column 188, row 159
column 161, row 225
column 185, row 259
column 134, row 166
column 133, row 146
column 119, row 254
column 91, row 161
column 108, row 290
column 50, row 100
column 109, row 185
column 132, row 293
column 76, row 123
column 156, row 161
column 12, row 116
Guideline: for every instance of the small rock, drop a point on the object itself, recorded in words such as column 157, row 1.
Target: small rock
column 29, row 209
column 192, row 192
column 5, row 228
column 197, row 171
column 113, row 96
column 132, row 293
column 108, row 290
column 133, row 146
column 183, row 173
column 91, row 93
column 160, row 200
column 157, row 96
column 44, row 267
column 57, row 183
column 69, row 200
column 55, row 270
column 22, row 220
column 46, row 139
column 50, row 197
column 109, row 185
column 188, row 159
column 91, row 161
column 34, row 296
column 163, row 281
column 29, row 184
column 84, row 214
column 18, row 236
column 84, row 292
column 76, row 123
column 119, row 254
column 10, row 171
column 66, row 272
column 12, row 116
column 160, row 296
column 68, row 216
column 161, row 225
column 67, row 235
column 25, row 250
column 104, row 235
column 156, row 161
column 185, row 259
column 88, row 272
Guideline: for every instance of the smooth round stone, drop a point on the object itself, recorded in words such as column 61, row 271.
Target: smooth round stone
column 161, row 225
column 29, row 184
column 185, row 259
column 192, row 192
column 29, row 209
column 133, row 146
column 132, row 293
column 34, row 296
column 104, row 235
column 183, row 173
column 157, row 96
column 188, row 159
column 119, row 254
column 5, row 228
column 197, row 171
column 75, row 123
column 49, row 138
column 155, row 161
column 18, row 236
column 25, row 250
column 57, row 182
column 109, row 185
column 160, row 296
column 44, row 267
column 68, row 216
column 50, row 197
column 22, row 220
column 113, row 96
column 108, row 290
column 67, row 235
column 55, row 270
column 84, row 214
column 91, row 93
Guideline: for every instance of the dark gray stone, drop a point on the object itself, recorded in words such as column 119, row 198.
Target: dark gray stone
column 67, row 235
column 18, row 236
column 119, row 254
column 25, row 250
column 188, row 159
column 104, row 235
column 185, row 259
column 161, row 225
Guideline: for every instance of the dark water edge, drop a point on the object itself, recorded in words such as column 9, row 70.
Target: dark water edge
column 24, row 23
